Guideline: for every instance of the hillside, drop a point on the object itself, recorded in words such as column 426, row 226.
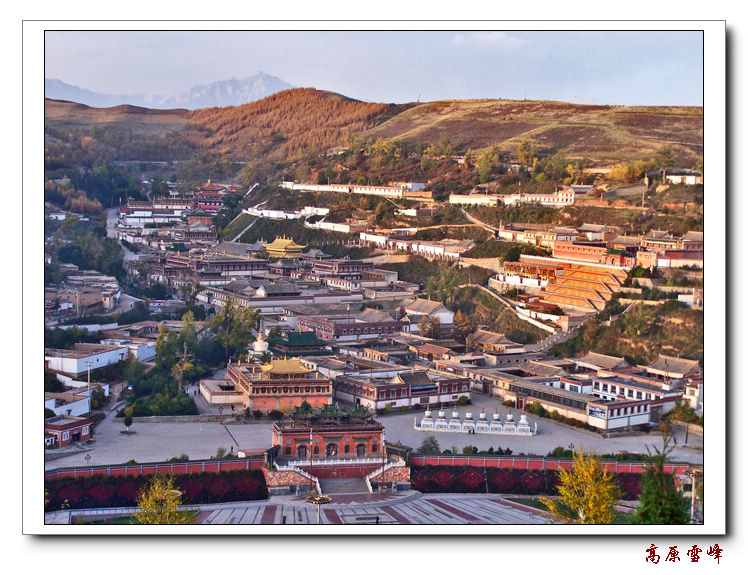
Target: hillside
column 285, row 125
column 603, row 133
column 641, row 334
column 300, row 124
column 60, row 115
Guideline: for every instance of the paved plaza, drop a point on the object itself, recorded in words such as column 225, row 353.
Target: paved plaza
column 200, row 440
column 408, row 509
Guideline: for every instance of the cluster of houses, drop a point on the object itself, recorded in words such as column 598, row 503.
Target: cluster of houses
column 600, row 244
column 81, row 292
column 185, row 219
column 405, row 371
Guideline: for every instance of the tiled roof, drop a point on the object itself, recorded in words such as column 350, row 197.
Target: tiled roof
column 674, row 365
column 420, row 306
column 600, row 360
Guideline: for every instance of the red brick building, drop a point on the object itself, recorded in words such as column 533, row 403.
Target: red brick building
column 67, row 429
column 280, row 384
column 328, row 440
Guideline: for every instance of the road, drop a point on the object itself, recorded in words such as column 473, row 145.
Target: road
column 111, row 232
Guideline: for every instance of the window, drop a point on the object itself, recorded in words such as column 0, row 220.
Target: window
column 288, row 451
column 316, row 450
column 374, row 448
column 347, row 449
column 65, row 435
column 85, row 430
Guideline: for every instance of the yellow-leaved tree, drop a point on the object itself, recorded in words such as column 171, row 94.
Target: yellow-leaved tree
column 158, row 503
column 587, row 493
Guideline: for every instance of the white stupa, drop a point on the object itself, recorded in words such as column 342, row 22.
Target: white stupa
column 259, row 347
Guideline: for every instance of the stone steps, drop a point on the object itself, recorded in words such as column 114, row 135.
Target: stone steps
column 352, row 485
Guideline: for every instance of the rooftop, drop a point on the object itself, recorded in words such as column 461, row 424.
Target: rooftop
column 285, row 366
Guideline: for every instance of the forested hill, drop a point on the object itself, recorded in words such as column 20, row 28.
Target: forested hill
column 288, row 124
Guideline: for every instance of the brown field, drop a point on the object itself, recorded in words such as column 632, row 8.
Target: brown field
column 144, row 121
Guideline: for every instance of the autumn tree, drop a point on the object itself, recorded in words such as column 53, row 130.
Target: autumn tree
column 158, row 503
column 182, row 365
column 430, row 326
column 525, row 153
column 660, row 503
column 462, row 325
column 587, row 493
column 471, row 158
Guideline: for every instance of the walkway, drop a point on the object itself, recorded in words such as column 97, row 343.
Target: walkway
column 478, row 222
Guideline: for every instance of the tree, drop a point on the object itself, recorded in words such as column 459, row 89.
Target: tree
column 665, row 157
column 183, row 364
column 429, row 326
column 233, row 326
column 462, row 325
column 525, row 153
column 660, row 503
column 166, row 348
column 128, row 417
column 587, row 493
column 429, row 446
column 158, row 503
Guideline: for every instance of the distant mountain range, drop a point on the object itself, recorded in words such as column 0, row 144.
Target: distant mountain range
column 218, row 94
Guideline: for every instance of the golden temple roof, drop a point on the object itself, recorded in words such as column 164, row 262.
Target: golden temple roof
column 283, row 243
column 285, row 366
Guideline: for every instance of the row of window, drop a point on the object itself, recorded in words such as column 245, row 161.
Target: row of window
column 331, row 450
column 273, row 390
column 392, row 329
column 631, row 410
column 625, row 391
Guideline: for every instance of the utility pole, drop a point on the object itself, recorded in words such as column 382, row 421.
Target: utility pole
column 88, row 363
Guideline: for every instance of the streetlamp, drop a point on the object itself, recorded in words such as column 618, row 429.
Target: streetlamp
column 319, row 501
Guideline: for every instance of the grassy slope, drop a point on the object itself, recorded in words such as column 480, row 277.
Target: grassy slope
column 606, row 133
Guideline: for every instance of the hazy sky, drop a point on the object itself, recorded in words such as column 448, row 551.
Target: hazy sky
column 626, row 68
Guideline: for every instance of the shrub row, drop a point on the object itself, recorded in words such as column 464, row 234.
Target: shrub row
column 122, row 491
column 448, row 479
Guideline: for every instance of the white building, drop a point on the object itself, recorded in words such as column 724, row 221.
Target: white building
column 77, row 361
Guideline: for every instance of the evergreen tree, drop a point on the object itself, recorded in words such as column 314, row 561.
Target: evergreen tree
column 660, row 503
column 429, row 446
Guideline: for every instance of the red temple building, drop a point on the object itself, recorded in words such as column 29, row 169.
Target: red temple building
column 280, row 384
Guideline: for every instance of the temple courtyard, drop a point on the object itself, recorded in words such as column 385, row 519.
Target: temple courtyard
column 200, row 440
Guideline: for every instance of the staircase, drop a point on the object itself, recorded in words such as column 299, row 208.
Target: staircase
column 348, row 485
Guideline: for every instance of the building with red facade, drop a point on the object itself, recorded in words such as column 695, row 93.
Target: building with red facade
column 324, row 440
column 66, row 429
column 280, row 384
column 407, row 389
